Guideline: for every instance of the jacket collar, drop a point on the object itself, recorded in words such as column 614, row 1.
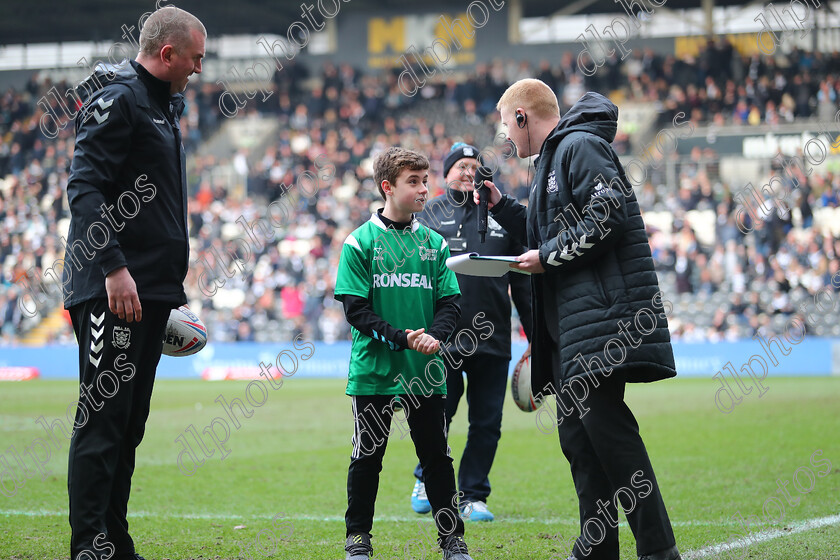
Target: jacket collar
column 177, row 104
column 159, row 89
column 377, row 217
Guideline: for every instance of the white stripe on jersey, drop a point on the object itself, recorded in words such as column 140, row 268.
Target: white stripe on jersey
column 352, row 241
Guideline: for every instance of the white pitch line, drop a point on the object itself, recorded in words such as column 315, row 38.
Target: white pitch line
column 754, row 538
column 795, row 527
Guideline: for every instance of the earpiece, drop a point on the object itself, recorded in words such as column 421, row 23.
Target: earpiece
column 521, row 119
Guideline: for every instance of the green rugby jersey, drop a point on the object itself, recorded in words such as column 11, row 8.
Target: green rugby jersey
column 403, row 274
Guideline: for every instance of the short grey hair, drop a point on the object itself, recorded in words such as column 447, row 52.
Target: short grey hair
column 168, row 26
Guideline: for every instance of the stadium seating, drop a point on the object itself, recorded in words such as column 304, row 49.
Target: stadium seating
column 723, row 284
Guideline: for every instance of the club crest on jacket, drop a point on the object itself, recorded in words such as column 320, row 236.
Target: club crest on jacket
column 552, row 183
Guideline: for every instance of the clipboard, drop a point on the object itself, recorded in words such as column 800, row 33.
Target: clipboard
column 473, row 264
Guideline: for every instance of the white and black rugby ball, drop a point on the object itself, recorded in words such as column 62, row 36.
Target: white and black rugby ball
column 185, row 333
column 520, row 387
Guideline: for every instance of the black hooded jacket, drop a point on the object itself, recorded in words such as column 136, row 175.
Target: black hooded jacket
column 598, row 302
column 127, row 189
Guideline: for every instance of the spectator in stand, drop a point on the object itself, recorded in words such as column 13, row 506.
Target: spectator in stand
column 354, row 118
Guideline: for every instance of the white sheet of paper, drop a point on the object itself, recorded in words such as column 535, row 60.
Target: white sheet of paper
column 473, row 264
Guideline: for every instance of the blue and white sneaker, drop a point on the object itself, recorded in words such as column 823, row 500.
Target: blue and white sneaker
column 419, row 500
column 475, row 511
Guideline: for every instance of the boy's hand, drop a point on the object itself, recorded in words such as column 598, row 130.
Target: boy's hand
column 422, row 342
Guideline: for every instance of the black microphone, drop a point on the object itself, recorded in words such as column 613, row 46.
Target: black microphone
column 483, row 173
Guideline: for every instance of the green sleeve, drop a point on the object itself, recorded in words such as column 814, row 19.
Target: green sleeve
column 447, row 283
column 353, row 271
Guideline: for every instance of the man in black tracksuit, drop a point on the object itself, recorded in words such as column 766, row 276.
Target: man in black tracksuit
column 125, row 264
column 480, row 346
column 599, row 317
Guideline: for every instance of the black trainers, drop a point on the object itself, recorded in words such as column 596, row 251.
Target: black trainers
column 358, row 547
column 454, row 548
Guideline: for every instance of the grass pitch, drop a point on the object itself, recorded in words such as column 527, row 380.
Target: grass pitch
column 281, row 492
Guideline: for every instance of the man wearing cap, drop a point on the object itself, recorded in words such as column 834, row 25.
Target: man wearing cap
column 483, row 351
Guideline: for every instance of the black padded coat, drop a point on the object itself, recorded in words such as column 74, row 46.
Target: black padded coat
column 597, row 309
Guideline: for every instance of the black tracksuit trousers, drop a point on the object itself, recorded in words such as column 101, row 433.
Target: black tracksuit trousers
column 610, row 468
column 117, row 363
column 426, row 421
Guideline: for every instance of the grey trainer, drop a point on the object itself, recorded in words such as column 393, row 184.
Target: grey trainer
column 358, row 547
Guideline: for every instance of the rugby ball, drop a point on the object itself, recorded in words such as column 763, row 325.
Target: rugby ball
column 185, row 333
column 520, row 387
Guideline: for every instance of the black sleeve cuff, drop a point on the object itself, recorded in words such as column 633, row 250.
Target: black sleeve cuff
column 447, row 313
column 401, row 340
column 499, row 206
column 361, row 316
column 111, row 259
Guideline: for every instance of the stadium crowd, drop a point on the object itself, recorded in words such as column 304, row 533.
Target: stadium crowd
column 724, row 284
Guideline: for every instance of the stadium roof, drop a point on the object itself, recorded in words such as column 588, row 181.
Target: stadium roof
column 50, row 21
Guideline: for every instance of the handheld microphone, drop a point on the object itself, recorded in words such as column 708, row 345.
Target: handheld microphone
column 483, row 173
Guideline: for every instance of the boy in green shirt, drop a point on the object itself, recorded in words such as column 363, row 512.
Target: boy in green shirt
column 401, row 300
